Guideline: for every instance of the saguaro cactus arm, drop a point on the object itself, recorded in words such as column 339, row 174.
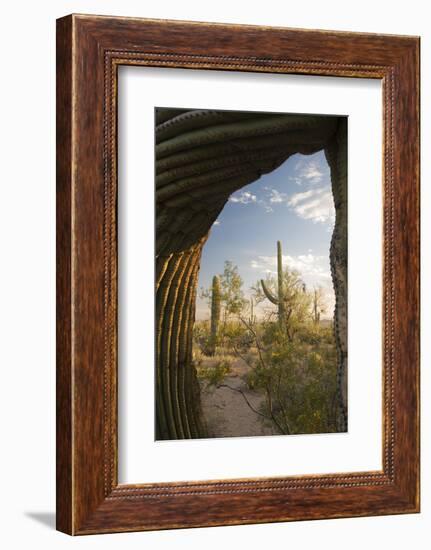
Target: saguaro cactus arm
column 280, row 300
column 268, row 294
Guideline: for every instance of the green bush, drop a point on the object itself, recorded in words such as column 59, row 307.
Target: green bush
column 215, row 374
column 299, row 381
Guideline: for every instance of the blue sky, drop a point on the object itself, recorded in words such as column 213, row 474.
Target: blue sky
column 292, row 204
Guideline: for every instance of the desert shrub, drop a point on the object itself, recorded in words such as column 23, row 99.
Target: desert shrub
column 236, row 337
column 307, row 392
column 316, row 334
column 203, row 340
column 214, row 374
column 298, row 380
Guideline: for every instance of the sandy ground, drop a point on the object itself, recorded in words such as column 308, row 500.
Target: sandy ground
column 226, row 411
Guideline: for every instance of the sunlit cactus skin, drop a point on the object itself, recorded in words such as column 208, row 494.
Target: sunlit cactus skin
column 215, row 313
column 280, row 299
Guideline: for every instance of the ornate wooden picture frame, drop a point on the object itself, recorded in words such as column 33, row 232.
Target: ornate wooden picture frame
column 89, row 51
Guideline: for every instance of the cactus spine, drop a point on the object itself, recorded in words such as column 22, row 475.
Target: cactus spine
column 215, row 313
column 280, row 299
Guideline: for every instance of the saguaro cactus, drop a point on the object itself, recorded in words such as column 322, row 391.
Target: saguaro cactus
column 280, row 299
column 316, row 309
column 215, row 313
column 252, row 318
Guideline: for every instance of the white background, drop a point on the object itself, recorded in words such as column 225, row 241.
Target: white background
column 27, row 205
column 141, row 458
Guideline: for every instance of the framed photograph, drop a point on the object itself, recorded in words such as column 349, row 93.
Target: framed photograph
column 237, row 274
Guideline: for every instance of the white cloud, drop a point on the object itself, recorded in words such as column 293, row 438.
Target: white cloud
column 298, row 197
column 272, row 197
column 295, row 180
column 276, row 197
column 216, row 222
column 316, row 205
column 312, row 173
column 243, row 198
column 314, row 269
column 309, row 171
column 259, row 264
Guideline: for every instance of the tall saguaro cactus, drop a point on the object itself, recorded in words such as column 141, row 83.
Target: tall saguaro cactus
column 280, row 299
column 215, row 312
column 316, row 309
